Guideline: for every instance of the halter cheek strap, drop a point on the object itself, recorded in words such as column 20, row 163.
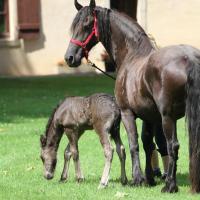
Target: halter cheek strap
column 84, row 44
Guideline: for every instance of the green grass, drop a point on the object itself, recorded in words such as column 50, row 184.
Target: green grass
column 25, row 106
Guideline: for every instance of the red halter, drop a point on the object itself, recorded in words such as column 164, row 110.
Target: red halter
column 85, row 43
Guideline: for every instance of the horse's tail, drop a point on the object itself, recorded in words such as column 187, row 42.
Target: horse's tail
column 193, row 119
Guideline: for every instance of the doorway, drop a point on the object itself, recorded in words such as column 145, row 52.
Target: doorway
column 127, row 6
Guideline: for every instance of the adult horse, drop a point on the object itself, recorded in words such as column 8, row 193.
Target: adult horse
column 157, row 86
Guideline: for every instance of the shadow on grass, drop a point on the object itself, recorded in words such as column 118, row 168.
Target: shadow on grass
column 35, row 97
column 183, row 179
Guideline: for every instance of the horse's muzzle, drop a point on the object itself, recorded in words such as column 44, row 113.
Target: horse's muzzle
column 71, row 61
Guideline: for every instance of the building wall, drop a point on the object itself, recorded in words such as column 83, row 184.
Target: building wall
column 41, row 57
column 170, row 22
column 174, row 21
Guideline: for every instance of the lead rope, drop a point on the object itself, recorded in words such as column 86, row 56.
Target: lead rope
column 94, row 66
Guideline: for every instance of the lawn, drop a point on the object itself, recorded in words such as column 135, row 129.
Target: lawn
column 25, row 105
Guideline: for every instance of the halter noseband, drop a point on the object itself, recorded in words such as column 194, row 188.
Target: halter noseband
column 87, row 40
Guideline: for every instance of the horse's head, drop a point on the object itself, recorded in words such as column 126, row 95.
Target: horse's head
column 85, row 34
column 49, row 158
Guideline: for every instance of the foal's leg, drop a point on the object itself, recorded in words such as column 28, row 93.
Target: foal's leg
column 67, row 156
column 121, row 153
column 169, row 128
column 129, row 122
column 108, row 152
column 149, row 146
column 73, row 139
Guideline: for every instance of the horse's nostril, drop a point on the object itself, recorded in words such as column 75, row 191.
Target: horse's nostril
column 70, row 59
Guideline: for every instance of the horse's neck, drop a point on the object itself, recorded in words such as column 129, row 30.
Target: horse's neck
column 128, row 40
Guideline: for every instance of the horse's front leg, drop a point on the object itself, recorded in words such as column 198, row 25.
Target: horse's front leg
column 169, row 128
column 129, row 122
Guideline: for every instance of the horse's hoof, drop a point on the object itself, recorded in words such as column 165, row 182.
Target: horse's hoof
column 138, row 181
column 102, row 186
column 124, row 181
column 150, row 182
column 170, row 188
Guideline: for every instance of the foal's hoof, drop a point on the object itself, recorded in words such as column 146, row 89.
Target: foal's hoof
column 138, row 180
column 80, row 180
column 62, row 180
column 102, row 186
column 170, row 188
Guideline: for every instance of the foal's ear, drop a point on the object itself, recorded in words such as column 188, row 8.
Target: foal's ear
column 92, row 4
column 43, row 140
column 77, row 5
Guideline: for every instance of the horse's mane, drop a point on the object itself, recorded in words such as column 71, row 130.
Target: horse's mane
column 133, row 32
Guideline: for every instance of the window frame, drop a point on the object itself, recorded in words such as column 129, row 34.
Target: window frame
column 5, row 13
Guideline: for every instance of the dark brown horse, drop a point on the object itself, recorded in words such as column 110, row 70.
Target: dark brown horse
column 154, row 85
column 73, row 116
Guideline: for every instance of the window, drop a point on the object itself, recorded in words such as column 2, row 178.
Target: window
column 128, row 6
column 4, row 26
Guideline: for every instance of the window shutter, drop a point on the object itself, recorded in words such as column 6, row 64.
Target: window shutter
column 29, row 19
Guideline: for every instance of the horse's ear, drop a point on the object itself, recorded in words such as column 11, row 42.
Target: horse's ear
column 92, row 4
column 43, row 140
column 77, row 5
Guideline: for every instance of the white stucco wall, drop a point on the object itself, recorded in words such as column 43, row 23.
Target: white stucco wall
column 170, row 22
column 41, row 57
column 174, row 21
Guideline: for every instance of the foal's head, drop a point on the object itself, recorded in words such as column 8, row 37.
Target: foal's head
column 85, row 34
column 49, row 157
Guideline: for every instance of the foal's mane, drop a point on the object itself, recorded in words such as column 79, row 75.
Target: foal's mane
column 49, row 123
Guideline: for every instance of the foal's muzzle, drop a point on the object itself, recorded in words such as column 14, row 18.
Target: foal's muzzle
column 48, row 176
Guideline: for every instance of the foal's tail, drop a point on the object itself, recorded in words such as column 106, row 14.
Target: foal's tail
column 193, row 119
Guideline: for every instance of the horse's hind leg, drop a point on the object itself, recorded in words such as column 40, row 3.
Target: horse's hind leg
column 129, row 122
column 169, row 128
column 121, row 153
column 149, row 146
column 67, row 156
column 108, row 152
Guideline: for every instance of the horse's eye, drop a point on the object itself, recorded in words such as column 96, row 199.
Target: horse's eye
column 86, row 23
column 86, row 20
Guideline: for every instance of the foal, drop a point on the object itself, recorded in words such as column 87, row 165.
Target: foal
column 73, row 116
